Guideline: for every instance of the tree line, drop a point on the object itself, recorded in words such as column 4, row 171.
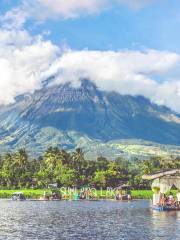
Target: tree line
column 70, row 169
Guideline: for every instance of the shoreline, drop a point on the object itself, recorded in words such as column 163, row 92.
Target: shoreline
column 35, row 194
column 71, row 200
column 100, row 195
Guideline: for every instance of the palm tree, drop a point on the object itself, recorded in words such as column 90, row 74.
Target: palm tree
column 20, row 160
column 77, row 157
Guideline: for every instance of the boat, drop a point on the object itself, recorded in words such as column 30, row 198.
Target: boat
column 165, row 208
column 18, row 196
column 54, row 196
column 162, row 182
column 123, row 193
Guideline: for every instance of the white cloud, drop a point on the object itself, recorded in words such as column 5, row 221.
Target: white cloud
column 168, row 94
column 126, row 72
column 26, row 61
column 22, row 62
column 14, row 38
column 15, row 18
column 63, row 9
column 73, row 8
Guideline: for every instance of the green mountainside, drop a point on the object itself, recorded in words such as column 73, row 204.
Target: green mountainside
column 87, row 117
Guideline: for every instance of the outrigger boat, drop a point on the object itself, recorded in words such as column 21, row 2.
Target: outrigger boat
column 123, row 192
column 18, row 196
column 162, row 182
column 55, row 196
column 166, row 208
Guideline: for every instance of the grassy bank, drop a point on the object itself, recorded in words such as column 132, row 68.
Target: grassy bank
column 136, row 194
column 29, row 193
column 36, row 193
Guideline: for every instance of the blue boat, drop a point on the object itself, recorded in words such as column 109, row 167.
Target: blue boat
column 165, row 208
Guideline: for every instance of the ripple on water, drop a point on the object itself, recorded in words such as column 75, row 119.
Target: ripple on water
column 86, row 220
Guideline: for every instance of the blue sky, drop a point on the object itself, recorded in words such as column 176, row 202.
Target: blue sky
column 156, row 26
column 128, row 46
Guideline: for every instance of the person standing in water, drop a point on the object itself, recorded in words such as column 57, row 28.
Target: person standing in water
column 156, row 199
column 178, row 198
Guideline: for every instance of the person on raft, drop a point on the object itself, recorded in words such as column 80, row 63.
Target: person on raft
column 178, row 198
column 170, row 200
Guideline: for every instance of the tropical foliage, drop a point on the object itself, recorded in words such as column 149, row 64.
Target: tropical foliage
column 70, row 169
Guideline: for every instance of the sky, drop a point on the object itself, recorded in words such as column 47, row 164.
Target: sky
column 128, row 46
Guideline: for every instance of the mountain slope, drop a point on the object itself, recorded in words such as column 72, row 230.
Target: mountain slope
column 63, row 115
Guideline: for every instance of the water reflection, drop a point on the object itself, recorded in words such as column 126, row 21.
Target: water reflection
column 166, row 225
column 86, row 220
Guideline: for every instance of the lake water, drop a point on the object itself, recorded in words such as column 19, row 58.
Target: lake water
column 86, row 220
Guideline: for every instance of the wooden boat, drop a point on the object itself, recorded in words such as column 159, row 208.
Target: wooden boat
column 162, row 183
column 123, row 193
column 55, row 196
column 165, row 208
column 18, row 196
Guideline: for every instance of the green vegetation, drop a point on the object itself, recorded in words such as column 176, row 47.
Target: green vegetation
column 36, row 193
column 142, row 194
column 147, row 149
column 66, row 169
column 29, row 193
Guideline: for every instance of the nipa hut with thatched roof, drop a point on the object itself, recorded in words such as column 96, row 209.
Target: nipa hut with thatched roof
column 164, row 180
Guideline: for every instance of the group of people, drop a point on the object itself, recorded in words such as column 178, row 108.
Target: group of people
column 164, row 200
column 55, row 195
column 123, row 195
column 84, row 194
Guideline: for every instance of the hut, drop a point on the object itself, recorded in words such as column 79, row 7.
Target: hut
column 162, row 182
